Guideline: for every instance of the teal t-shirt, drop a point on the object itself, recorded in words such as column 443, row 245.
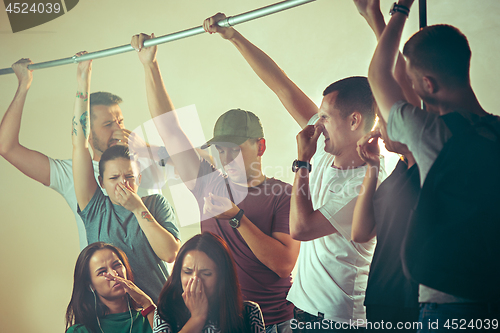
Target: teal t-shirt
column 114, row 224
column 118, row 323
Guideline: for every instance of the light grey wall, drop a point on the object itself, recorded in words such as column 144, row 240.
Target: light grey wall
column 315, row 44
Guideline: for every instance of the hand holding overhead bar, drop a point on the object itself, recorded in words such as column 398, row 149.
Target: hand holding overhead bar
column 229, row 21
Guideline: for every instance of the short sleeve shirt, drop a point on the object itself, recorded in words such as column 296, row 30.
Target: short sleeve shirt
column 332, row 271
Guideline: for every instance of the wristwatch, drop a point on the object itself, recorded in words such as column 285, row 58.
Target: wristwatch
column 235, row 221
column 301, row 164
column 400, row 9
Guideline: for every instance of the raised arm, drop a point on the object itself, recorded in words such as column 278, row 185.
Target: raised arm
column 30, row 162
column 370, row 10
column 363, row 218
column 181, row 150
column 386, row 89
column 300, row 107
column 83, row 170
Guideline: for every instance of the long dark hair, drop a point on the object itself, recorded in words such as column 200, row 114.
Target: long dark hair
column 82, row 308
column 226, row 307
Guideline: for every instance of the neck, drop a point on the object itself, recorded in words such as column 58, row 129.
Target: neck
column 257, row 180
column 464, row 99
column 115, row 306
column 348, row 160
column 96, row 155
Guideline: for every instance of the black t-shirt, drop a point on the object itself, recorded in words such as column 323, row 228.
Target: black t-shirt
column 393, row 202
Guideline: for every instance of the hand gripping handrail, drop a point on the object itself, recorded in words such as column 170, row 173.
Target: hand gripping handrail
column 227, row 22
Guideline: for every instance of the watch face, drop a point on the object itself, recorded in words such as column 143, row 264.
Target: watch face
column 234, row 222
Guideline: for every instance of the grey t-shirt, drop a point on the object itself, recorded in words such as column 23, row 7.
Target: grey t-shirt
column 425, row 134
column 110, row 223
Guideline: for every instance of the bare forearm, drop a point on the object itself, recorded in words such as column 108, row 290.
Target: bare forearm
column 159, row 101
column 180, row 149
column 300, row 107
column 83, row 171
column 11, row 122
column 163, row 242
column 276, row 255
column 380, row 74
column 302, row 226
column 363, row 220
column 80, row 122
column 376, row 21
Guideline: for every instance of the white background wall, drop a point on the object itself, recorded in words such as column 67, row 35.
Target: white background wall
column 315, row 44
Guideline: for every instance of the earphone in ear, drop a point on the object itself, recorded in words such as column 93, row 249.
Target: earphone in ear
column 90, row 287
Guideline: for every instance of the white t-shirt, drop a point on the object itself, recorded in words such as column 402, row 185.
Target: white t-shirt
column 332, row 271
column 61, row 180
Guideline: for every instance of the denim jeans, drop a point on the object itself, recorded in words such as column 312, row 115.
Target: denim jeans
column 459, row 317
column 283, row 327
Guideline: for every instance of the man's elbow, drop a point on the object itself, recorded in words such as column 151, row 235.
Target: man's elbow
column 5, row 149
column 170, row 256
column 298, row 232
column 285, row 270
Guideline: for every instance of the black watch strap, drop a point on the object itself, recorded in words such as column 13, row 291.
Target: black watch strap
column 235, row 221
column 399, row 9
column 301, row 164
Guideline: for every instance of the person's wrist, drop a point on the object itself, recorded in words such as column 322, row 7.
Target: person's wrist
column 150, row 64
column 146, row 310
column 232, row 35
column 24, row 85
column 406, row 3
column 304, row 158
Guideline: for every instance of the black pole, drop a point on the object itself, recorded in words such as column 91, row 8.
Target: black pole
column 422, row 21
column 422, row 13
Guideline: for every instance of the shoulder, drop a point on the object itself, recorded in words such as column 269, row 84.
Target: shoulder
column 157, row 199
column 253, row 316
column 78, row 328
column 160, row 325
column 252, row 309
column 63, row 163
column 278, row 187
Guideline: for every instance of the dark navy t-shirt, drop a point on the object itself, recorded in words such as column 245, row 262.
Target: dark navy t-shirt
column 393, row 202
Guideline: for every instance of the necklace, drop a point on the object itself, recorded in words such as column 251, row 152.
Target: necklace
column 99, row 323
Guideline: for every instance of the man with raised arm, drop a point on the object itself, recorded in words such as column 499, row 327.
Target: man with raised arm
column 328, row 291
column 438, row 64
column 106, row 129
column 246, row 208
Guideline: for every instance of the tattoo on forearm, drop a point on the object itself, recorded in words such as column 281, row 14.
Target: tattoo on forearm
column 83, row 96
column 84, row 122
column 147, row 216
column 74, row 127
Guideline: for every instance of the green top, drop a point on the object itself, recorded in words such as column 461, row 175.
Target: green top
column 117, row 323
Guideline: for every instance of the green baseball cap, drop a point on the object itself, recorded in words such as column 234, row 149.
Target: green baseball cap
column 235, row 127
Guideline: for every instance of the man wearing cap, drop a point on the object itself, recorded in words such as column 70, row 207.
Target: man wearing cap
column 247, row 209
column 332, row 270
